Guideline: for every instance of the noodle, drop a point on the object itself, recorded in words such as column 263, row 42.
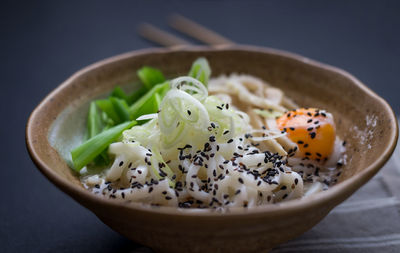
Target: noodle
column 219, row 151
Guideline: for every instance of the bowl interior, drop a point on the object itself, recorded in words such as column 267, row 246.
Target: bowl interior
column 363, row 120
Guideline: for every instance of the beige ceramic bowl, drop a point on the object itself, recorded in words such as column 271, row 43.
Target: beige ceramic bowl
column 363, row 119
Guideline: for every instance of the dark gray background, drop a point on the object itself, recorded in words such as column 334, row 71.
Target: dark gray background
column 42, row 43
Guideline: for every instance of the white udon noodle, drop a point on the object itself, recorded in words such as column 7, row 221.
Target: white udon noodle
column 220, row 176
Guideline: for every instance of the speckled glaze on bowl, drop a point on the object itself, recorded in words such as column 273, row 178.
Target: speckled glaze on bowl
column 363, row 119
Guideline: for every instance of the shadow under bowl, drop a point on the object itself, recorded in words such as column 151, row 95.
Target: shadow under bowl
column 364, row 120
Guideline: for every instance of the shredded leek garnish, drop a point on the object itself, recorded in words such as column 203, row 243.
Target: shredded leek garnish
column 150, row 76
column 201, row 71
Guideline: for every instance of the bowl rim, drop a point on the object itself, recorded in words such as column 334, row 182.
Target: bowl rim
column 349, row 185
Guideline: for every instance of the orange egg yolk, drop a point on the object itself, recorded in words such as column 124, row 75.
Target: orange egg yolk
column 312, row 129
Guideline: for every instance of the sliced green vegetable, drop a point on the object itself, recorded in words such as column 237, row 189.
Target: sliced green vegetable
column 148, row 103
column 102, row 159
column 106, row 121
column 94, row 121
column 201, row 70
column 118, row 92
column 106, row 106
column 150, row 76
column 89, row 150
column 157, row 101
column 121, row 108
column 136, row 95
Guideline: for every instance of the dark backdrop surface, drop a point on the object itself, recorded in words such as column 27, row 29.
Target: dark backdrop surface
column 44, row 42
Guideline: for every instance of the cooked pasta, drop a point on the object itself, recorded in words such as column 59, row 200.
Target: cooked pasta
column 234, row 144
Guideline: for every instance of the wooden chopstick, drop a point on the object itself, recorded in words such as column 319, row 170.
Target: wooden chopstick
column 160, row 37
column 196, row 31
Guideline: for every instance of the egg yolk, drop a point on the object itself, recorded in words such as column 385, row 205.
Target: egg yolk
column 312, row 129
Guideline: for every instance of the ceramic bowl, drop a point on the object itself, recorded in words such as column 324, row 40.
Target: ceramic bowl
column 363, row 119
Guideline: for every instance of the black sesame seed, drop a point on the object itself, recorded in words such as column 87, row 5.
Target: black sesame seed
column 230, row 140
column 189, row 112
column 296, row 181
column 283, row 187
column 284, row 196
column 121, row 163
column 240, row 180
column 312, row 135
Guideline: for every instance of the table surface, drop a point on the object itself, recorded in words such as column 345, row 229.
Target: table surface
column 44, row 42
